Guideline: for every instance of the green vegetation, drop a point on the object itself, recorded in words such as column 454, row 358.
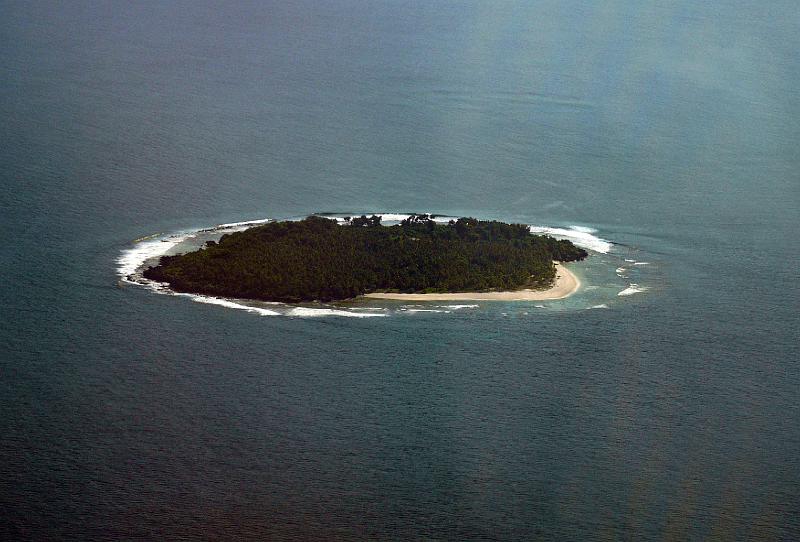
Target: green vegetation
column 316, row 259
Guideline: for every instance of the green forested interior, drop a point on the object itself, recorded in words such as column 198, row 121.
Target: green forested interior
column 316, row 259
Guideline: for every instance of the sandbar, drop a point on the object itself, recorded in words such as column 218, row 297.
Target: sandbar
column 565, row 285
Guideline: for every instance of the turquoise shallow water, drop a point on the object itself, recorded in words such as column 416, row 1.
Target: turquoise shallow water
column 669, row 129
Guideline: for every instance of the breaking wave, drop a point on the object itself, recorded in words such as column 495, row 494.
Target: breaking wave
column 579, row 235
column 233, row 225
column 632, row 289
column 131, row 260
column 317, row 312
column 230, row 304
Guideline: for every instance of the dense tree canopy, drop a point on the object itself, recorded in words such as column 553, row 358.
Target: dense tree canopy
column 316, row 259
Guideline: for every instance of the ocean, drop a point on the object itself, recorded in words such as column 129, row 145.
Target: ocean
column 662, row 136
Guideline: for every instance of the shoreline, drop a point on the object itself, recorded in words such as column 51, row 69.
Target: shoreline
column 565, row 285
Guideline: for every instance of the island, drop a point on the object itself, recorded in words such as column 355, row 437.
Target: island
column 318, row 259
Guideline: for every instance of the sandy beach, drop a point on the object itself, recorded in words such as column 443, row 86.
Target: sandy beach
column 565, row 285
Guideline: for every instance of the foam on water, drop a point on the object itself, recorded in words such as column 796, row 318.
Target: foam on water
column 632, row 288
column 232, row 225
column 458, row 307
column 305, row 312
column 601, row 306
column 132, row 259
column 230, row 304
column 579, row 235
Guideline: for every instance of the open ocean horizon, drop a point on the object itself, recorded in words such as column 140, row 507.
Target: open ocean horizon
column 658, row 402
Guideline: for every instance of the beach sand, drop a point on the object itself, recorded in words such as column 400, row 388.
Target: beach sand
column 565, row 285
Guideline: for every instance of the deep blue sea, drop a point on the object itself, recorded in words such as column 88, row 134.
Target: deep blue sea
column 669, row 129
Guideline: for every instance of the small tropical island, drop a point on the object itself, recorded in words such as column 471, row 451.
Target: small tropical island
column 317, row 259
